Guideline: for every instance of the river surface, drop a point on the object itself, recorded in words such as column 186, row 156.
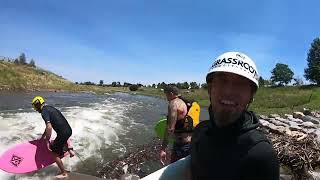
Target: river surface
column 104, row 126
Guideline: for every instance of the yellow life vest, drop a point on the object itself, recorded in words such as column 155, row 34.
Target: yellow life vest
column 192, row 118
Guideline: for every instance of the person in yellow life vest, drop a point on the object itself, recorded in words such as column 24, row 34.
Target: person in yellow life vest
column 181, row 119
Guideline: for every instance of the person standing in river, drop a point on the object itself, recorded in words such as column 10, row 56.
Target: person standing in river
column 229, row 146
column 54, row 119
column 177, row 112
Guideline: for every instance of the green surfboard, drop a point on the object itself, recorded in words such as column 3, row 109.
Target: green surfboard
column 160, row 129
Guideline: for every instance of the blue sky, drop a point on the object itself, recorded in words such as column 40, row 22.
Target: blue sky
column 153, row 41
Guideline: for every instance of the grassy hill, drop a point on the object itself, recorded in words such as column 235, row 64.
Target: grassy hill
column 22, row 77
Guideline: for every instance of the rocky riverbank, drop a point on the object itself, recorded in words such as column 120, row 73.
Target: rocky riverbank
column 295, row 137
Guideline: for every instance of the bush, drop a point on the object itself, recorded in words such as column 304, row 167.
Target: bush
column 133, row 87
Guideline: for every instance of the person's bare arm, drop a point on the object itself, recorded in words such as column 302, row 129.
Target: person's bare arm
column 48, row 131
column 172, row 118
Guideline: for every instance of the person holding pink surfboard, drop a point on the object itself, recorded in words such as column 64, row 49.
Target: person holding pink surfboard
column 54, row 119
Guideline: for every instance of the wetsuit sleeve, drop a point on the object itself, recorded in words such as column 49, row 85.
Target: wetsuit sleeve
column 46, row 116
column 263, row 163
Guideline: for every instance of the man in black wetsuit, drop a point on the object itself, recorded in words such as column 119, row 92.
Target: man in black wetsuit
column 229, row 146
column 54, row 120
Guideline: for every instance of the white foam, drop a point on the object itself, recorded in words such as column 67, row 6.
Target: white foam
column 94, row 127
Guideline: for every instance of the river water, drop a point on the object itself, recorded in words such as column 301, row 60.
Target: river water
column 104, row 126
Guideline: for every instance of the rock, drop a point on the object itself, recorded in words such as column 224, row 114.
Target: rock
column 306, row 111
column 295, row 128
column 295, row 120
column 278, row 123
column 311, row 119
column 288, row 116
column 129, row 177
column 317, row 132
column 285, row 177
column 295, row 134
column 314, row 175
column 276, row 129
column 282, row 120
column 264, row 122
column 262, row 117
column 315, row 114
column 274, row 115
column 308, row 125
column 298, row 115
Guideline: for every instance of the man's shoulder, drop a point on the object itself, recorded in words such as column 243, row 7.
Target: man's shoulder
column 254, row 137
column 200, row 129
column 48, row 108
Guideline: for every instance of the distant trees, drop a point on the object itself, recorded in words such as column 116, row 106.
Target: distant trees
column 22, row 59
column 32, row 63
column 281, row 74
column 204, row 86
column 312, row 72
column 261, row 81
column 100, row 82
column 194, row 85
column 134, row 87
column 125, row 84
column 88, row 83
column 16, row 61
column 298, row 81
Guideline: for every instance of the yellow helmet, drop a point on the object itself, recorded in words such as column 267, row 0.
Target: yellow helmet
column 36, row 100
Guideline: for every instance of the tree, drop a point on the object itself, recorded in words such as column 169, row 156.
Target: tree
column 100, row 82
column 298, row 81
column 261, row 81
column 179, row 85
column 312, row 72
column 125, row 84
column 281, row 74
column 114, row 84
column 268, row 83
column 185, row 85
column 153, row 86
column 204, row 86
column 16, row 61
column 32, row 63
column 118, row 84
column 22, row 59
column 89, row 83
column 194, row 85
column 162, row 85
column 134, row 87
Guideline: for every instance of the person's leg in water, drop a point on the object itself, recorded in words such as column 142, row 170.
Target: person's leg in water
column 58, row 160
column 57, row 151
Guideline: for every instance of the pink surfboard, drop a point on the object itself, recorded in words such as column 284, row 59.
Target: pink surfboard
column 27, row 157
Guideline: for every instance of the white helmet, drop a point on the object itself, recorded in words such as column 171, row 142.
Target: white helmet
column 237, row 63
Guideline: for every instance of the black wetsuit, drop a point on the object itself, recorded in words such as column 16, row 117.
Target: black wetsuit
column 60, row 125
column 239, row 151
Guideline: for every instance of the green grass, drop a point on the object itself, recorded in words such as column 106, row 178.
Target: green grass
column 268, row 100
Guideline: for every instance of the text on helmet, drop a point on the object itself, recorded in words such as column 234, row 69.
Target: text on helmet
column 235, row 62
